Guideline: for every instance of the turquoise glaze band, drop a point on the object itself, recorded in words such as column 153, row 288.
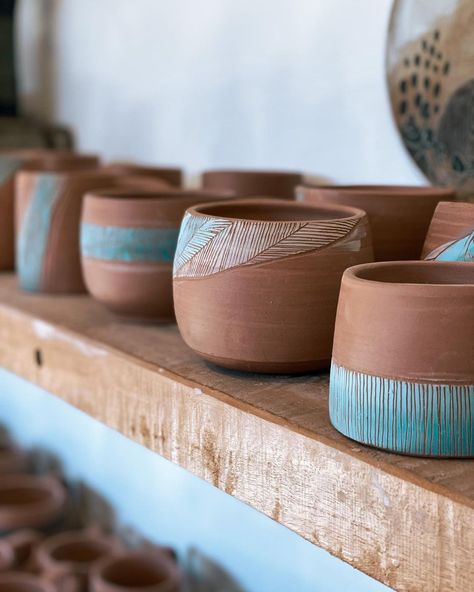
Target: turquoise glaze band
column 32, row 241
column 423, row 419
column 115, row 243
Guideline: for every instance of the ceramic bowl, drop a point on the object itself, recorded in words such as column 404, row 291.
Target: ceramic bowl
column 23, row 582
column 128, row 241
column 153, row 572
column 399, row 215
column 451, row 233
column 29, row 501
column 48, row 218
column 402, row 374
column 68, row 558
column 171, row 175
column 256, row 281
column 244, row 183
column 10, row 163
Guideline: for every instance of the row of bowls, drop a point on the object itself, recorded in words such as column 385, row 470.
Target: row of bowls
column 40, row 551
column 256, row 283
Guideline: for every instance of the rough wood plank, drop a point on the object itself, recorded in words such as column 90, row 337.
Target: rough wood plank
column 407, row 522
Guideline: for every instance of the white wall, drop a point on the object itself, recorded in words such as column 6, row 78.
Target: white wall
column 209, row 83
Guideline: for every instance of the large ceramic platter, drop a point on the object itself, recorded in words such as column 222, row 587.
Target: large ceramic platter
column 430, row 72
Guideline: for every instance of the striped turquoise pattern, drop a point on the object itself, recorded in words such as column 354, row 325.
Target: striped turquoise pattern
column 408, row 417
column 33, row 236
column 115, row 243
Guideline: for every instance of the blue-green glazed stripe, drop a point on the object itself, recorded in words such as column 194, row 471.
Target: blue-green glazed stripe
column 115, row 243
column 422, row 419
column 33, row 236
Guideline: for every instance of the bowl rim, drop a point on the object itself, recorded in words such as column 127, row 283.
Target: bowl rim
column 127, row 195
column 373, row 190
column 352, row 213
column 249, row 172
column 352, row 275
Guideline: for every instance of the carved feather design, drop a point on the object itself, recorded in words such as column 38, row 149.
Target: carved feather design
column 208, row 245
column 458, row 250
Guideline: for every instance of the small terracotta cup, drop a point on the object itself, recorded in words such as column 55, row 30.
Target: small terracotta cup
column 12, row 459
column 399, row 215
column 451, row 233
column 170, row 175
column 22, row 582
column 256, row 281
column 245, row 183
column 18, row 546
column 48, row 238
column 151, row 572
column 402, row 375
column 10, row 163
column 67, row 559
column 128, row 242
column 30, row 501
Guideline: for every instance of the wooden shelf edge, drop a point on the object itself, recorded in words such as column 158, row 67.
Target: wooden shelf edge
column 398, row 528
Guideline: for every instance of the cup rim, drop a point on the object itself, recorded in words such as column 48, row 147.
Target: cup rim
column 125, row 195
column 373, row 190
column 351, row 213
column 249, row 172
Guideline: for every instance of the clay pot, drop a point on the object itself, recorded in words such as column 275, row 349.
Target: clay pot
column 67, row 559
column 244, row 183
column 128, row 241
column 48, row 238
column 256, row 281
column 171, row 175
column 399, row 215
column 402, row 376
column 17, row 548
column 30, row 501
column 451, row 233
column 153, row 572
column 22, row 582
column 12, row 459
column 10, row 163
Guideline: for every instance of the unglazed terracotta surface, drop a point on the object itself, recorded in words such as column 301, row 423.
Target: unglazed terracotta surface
column 451, row 233
column 256, row 281
column 24, row 582
column 48, row 216
column 153, row 572
column 399, row 215
column 245, row 183
column 402, row 375
column 170, row 175
column 128, row 242
column 16, row 160
column 12, row 459
column 29, row 501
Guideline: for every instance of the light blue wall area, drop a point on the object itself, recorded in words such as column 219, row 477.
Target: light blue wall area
column 168, row 504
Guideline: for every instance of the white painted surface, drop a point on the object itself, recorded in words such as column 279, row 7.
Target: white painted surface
column 250, row 83
column 169, row 505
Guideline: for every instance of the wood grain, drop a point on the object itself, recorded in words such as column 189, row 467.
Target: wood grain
column 407, row 522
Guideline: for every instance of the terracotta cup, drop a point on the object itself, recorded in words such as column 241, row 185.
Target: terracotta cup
column 30, row 501
column 256, row 281
column 171, row 175
column 244, row 183
column 451, row 233
column 153, row 572
column 399, row 215
column 128, row 241
column 22, row 582
column 18, row 546
column 48, row 216
column 10, row 163
column 67, row 559
column 12, row 459
column 402, row 374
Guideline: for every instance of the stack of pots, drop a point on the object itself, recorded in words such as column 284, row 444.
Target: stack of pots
column 39, row 552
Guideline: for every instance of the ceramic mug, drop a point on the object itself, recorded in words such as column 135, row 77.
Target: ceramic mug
column 450, row 236
column 248, row 183
column 135, row 570
column 399, row 216
column 128, row 241
column 402, row 374
column 12, row 161
column 256, row 281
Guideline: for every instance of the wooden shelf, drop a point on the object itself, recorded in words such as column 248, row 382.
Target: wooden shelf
column 267, row 441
